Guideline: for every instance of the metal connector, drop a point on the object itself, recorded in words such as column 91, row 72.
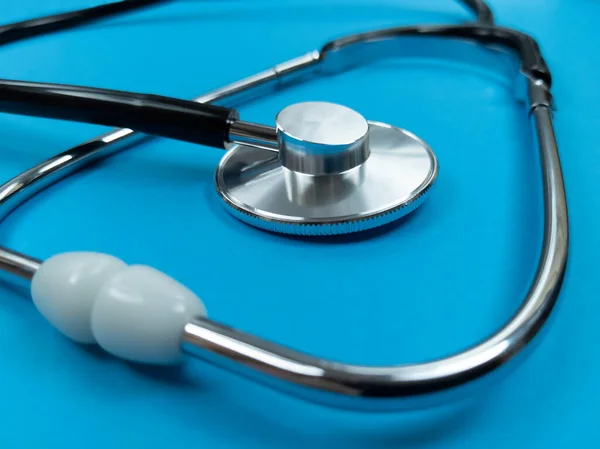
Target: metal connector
column 253, row 135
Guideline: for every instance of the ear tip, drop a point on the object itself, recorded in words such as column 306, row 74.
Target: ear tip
column 134, row 312
column 64, row 289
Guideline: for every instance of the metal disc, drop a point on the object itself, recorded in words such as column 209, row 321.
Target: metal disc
column 392, row 182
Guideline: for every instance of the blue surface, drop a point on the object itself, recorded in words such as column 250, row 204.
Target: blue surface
column 449, row 275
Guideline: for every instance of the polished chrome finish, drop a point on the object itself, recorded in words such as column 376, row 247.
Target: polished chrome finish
column 539, row 94
column 388, row 184
column 397, row 387
column 17, row 190
column 333, row 383
column 495, row 62
column 28, row 183
column 499, row 63
column 25, row 185
column 18, row 264
column 297, row 69
column 254, row 135
column 22, row 187
column 266, row 82
column 318, row 138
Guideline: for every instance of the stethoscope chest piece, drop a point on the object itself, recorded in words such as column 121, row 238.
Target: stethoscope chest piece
column 334, row 173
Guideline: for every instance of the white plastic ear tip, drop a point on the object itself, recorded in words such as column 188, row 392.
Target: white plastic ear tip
column 65, row 287
column 139, row 315
column 136, row 312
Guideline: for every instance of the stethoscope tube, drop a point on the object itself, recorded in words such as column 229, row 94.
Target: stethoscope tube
column 18, row 31
column 207, row 124
column 532, row 62
column 334, row 383
column 155, row 115
column 150, row 114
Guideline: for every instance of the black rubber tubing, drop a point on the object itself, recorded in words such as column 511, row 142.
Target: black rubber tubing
column 155, row 115
column 40, row 26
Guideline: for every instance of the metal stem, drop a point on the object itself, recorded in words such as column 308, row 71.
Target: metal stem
column 254, row 135
column 18, row 264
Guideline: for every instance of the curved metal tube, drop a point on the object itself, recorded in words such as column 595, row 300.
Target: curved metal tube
column 355, row 386
column 384, row 388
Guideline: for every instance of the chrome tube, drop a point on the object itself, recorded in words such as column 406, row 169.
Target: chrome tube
column 384, row 388
column 17, row 190
column 18, row 264
column 329, row 382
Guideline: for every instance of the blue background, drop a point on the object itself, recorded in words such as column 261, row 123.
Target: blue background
column 442, row 280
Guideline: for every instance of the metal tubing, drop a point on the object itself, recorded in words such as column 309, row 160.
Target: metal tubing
column 253, row 134
column 381, row 388
column 384, row 388
column 18, row 264
column 190, row 121
column 16, row 191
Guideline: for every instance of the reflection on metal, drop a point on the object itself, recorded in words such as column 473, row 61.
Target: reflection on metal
column 329, row 382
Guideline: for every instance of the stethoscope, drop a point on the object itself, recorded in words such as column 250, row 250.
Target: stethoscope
column 322, row 169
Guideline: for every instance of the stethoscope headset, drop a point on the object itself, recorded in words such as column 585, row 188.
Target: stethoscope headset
column 322, row 170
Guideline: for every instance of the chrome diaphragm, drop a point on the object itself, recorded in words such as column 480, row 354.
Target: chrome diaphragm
column 333, row 173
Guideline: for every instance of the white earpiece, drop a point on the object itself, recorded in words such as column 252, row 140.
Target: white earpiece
column 134, row 312
column 139, row 314
column 65, row 287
